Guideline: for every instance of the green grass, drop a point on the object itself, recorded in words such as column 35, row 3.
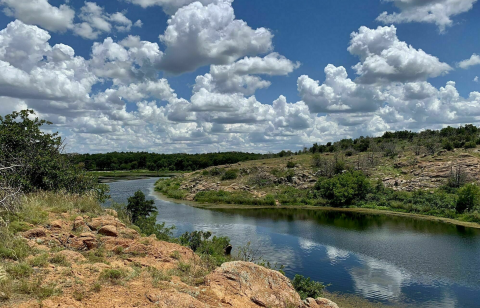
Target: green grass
column 224, row 197
column 171, row 188
column 112, row 276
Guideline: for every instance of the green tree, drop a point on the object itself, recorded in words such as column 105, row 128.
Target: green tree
column 344, row 189
column 139, row 207
column 468, row 198
column 39, row 158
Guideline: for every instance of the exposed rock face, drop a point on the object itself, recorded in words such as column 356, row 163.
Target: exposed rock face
column 34, row 233
column 243, row 284
column 80, row 225
column 234, row 284
column 108, row 231
column 319, row 303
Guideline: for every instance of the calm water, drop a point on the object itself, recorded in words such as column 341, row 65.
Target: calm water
column 389, row 259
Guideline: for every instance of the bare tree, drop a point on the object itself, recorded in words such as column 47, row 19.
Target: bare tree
column 457, row 177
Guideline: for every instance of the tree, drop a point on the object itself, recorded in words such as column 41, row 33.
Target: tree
column 32, row 160
column 138, row 207
column 468, row 198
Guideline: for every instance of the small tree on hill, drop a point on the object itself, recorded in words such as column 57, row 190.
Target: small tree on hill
column 138, row 207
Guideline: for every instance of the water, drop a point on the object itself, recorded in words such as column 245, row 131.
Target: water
column 389, row 259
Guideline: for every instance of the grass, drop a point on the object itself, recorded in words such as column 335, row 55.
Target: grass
column 60, row 260
column 112, row 276
column 224, row 197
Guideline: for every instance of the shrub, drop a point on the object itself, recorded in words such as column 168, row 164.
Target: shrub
column 38, row 155
column 344, row 189
column 470, row 145
column 468, row 198
column 112, row 275
column 307, row 287
column 447, row 145
column 229, row 175
column 139, row 207
column 291, row 165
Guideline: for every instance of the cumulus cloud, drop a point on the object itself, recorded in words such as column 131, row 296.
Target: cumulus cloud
column 96, row 21
column 438, row 12
column 474, row 60
column 338, row 93
column 40, row 12
column 236, row 77
column 199, row 35
column 384, row 58
column 476, row 79
column 131, row 59
column 171, row 6
column 31, row 68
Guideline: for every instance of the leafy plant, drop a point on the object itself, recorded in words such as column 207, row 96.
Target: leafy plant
column 344, row 189
column 229, row 175
column 139, row 207
column 468, row 198
column 307, row 287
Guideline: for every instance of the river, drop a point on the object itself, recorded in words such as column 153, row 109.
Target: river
column 394, row 260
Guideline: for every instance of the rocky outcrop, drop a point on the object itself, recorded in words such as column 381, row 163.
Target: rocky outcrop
column 243, row 284
column 177, row 284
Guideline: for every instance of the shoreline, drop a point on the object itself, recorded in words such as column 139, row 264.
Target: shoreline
column 209, row 206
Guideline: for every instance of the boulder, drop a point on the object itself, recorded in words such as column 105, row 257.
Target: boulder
column 108, row 231
column 107, row 220
column 80, row 225
column 244, row 284
column 34, row 233
column 71, row 255
column 319, row 303
column 57, row 224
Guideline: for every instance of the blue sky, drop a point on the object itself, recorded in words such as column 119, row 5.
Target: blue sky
column 115, row 99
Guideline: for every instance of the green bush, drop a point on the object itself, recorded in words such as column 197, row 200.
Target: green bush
column 470, row 145
column 447, row 145
column 43, row 166
column 343, row 189
column 291, row 164
column 203, row 243
column 229, row 175
column 139, row 207
column 468, row 198
column 307, row 287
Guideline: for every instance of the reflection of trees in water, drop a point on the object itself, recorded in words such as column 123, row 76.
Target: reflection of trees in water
column 357, row 221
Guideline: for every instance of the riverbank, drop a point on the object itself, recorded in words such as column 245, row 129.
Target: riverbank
column 111, row 176
column 367, row 211
column 293, row 182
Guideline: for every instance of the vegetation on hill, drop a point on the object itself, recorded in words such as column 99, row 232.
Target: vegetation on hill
column 160, row 162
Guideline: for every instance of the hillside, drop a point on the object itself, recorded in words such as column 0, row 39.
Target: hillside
column 71, row 253
column 291, row 181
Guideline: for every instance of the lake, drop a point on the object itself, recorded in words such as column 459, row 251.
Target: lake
column 394, row 260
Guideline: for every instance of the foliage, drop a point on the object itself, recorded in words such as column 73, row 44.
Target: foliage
column 148, row 226
column 139, row 207
column 307, row 287
column 225, row 197
column 229, row 175
column 468, row 198
column 162, row 162
column 203, row 243
column 291, row 164
column 343, row 189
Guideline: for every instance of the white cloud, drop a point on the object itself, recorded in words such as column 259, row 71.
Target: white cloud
column 199, row 35
column 476, row 79
column 96, row 21
column 138, row 24
column 236, row 77
column 438, row 12
column 474, row 60
column 32, row 69
column 171, row 6
column 384, row 58
column 116, row 60
column 41, row 13
column 338, row 94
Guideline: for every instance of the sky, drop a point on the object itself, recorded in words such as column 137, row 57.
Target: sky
column 171, row 76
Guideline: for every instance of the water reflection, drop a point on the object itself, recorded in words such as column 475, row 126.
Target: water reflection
column 391, row 259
